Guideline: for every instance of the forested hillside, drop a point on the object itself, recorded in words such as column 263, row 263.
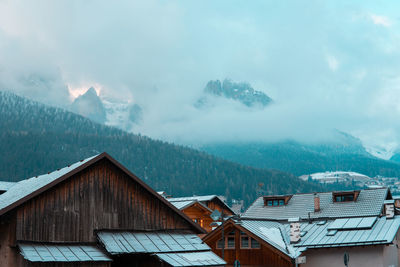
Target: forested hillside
column 301, row 159
column 36, row 139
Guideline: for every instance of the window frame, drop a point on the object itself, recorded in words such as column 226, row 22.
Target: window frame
column 249, row 239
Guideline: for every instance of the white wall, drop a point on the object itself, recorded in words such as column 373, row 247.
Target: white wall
column 369, row 256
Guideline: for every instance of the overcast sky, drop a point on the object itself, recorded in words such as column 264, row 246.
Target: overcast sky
column 327, row 64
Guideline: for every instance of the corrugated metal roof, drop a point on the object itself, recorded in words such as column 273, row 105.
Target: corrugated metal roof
column 26, row 187
column 316, row 235
column 150, row 242
column 61, row 253
column 368, row 203
column 4, row 186
column 206, row 258
column 383, row 231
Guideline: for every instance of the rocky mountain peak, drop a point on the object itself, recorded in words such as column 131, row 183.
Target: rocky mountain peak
column 239, row 91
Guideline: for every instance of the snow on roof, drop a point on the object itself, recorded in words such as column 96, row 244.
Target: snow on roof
column 369, row 203
column 198, row 198
column 26, row 187
column 274, row 234
column 4, row 186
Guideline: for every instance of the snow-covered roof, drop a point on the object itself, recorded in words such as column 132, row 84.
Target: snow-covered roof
column 369, row 203
column 26, row 187
column 273, row 233
column 198, row 198
column 4, row 186
column 359, row 231
column 182, row 202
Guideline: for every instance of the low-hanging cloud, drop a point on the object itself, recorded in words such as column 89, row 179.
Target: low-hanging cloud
column 326, row 65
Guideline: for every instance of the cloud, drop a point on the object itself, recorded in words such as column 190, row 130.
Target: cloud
column 323, row 68
column 380, row 20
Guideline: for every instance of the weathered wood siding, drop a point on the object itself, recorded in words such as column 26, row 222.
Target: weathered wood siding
column 100, row 197
column 201, row 216
column 261, row 257
column 215, row 205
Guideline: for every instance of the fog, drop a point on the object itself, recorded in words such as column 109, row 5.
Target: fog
column 326, row 65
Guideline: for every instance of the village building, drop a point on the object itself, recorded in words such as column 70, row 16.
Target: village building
column 310, row 230
column 95, row 213
column 199, row 208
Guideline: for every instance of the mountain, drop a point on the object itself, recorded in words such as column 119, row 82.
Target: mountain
column 36, row 139
column 90, row 106
column 238, row 91
column 300, row 158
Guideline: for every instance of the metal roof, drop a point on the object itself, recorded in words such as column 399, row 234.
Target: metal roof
column 198, row 198
column 278, row 241
column 26, row 187
column 319, row 235
column 205, row 258
column 44, row 252
column 150, row 242
column 383, row 231
column 182, row 204
column 4, row 186
column 368, row 203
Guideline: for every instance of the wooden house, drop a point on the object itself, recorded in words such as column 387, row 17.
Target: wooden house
column 199, row 208
column 250, row 248
column 95, row 213
column 312, row 230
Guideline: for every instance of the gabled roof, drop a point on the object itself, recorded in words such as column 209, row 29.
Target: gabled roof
column 26, row 189
column 186, row 204
column 272, row 233
column 185, row 201
column 368, row 203
column 259, row 230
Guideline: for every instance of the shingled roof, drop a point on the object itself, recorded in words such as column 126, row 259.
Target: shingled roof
column 368, row 203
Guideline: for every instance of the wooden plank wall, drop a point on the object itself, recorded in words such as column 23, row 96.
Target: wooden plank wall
column 99, row 197
column 262, row 257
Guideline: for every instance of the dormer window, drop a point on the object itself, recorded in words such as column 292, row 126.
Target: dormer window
column 345, row 196
column 275, row 201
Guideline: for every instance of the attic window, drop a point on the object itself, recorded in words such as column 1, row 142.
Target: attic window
column 275, row 201
column 345, row 196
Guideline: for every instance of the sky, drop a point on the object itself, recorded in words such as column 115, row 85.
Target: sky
column 326, row 64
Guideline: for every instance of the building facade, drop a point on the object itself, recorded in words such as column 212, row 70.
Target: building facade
column 95, row 213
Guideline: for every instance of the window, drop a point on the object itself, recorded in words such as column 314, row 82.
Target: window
column 229, row 241
column 248, row 242
column 344, row 198
column 254, row 243
column 220, row 244
column 275, row 202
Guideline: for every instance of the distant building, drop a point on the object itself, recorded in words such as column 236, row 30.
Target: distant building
column 95, row 213
column 199, row 208
column 313, row 230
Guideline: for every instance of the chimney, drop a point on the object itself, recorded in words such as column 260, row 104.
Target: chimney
column 389, row 208
column 294, row 230
column 317, row 206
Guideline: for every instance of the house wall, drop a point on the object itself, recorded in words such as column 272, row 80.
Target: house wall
column 216, row 205
column 196, row 213
column 99, row 197
column 257, row 257
column 365, row 256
